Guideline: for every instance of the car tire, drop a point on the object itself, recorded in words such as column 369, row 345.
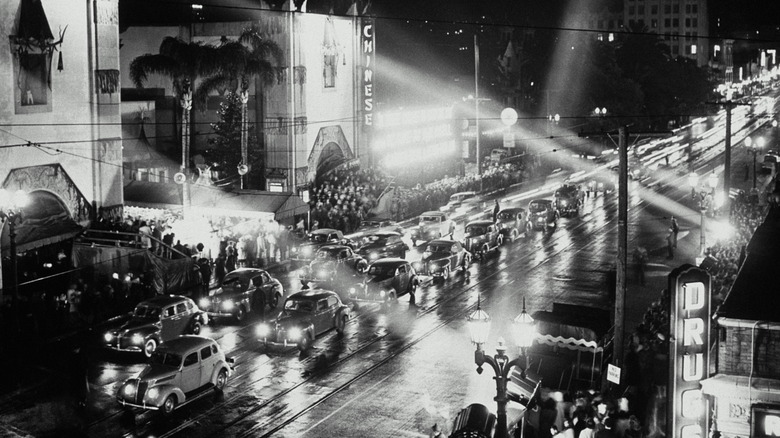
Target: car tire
column 446, row 273
column 169, row 405
column 528, row 229
column 221, row 380
column 485, row 250
column 275, row 296
column 514, row 235
column 500, row 240
column 341, row 323
column 195, row 328
column 305, row 343
column 239, row 315
column 149, row 347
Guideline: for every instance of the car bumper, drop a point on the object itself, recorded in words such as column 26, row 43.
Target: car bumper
column 278, row 338
column 146, row 406
column 219, row 314
column 124, row 344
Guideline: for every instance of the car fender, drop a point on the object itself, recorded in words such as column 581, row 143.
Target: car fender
column 163, row 391
column 219, row 366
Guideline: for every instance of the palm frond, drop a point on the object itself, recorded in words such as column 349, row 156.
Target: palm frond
column 144, row 65
column 209, row 85
column 263, row 69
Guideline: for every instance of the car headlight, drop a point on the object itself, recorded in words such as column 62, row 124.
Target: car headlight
column 228, row 304
column 564, row 203
column 381, row 294
column 352, row 291
column 137, row 339
column 263, row 330
column 540, row 219
column 204, row 303
column 294, row 249
column 294, row 334
column 434, row 267
column 306, row 251
column 416, row 266
column 322, row 273
column 373, row 256
column 153, row 393
column 129, row 390
column 108, row 337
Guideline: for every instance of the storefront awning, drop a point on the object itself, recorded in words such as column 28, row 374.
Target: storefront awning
column 214, row 201
column 44, row 221
column 757, row 389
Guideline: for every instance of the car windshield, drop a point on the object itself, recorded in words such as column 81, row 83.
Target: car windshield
column 299, row 305
column 165, row 358
column 475, row 230
column 429, row 219
column 234, row 283
column 505, row 215
column 146, row 312
column 369, row 224
column 328, row 254
column 373, row 239
column 437, row 248
column 381, row 270
column 318, row 238
column 537, row 207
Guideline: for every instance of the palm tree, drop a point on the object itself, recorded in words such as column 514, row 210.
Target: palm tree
column 185, row 63
column 251, row 56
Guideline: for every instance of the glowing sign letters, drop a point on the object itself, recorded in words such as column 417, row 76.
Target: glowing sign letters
column 367, row 48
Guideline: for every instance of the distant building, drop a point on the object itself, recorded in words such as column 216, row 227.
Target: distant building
column 679, row 23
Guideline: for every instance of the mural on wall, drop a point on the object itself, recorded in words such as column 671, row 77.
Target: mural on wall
column 330, row 150
column 54, row 179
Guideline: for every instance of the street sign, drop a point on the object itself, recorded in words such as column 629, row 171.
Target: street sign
column 509, row 140
column 613, row 374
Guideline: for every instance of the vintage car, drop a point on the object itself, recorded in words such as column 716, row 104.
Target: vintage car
column 432, row 225
column 305, row 251
column 305, row 315
column 243, row 290
column 542, row 214
column 386, row 280
column 442, row 257
column 156, row 321
column 461, row 202
column 333, row 264
column 381, row 244
column 369, row 226
column 602, row 183
column 567, row 200
column 482, row 237
column 513, row 223
column 179, row 372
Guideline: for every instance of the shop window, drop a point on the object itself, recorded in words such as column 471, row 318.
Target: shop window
column 31, row 80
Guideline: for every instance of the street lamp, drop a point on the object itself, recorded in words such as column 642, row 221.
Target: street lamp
column 524, row 331
column 11, row 206
column 755, row 147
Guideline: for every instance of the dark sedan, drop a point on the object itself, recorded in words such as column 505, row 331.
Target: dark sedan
column 306, row 315
column 441, row 257
column 386, row 280
column 243, row 290
column 381, row 244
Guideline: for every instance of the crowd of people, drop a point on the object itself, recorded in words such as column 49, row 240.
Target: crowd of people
column 344, row 197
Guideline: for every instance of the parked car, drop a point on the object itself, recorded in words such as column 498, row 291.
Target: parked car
column 178, row 373
column 386, row 280
column 305, row 251
column 432, row 225
column 381, row 244
column 305, row 315
column 482, row 237
column 155, row 322
column 333, row 264
column 567, row 200
column 512, row 223
column 441, row 257
column 461, row 202
column 243, row 290
column 542, row 214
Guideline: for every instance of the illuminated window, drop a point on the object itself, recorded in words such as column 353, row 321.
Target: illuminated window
column 693, row 49
column 654, row 23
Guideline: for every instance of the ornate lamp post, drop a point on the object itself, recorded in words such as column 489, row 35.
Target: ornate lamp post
column 479, row 328
column 11, row 206
column 755, row 147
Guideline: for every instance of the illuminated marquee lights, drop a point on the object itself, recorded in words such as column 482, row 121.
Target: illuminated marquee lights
column 367, row 48
column 688, row 351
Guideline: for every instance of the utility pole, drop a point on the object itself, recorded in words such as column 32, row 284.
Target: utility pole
column 622, row 247
column 728, row 104
column 476, row 109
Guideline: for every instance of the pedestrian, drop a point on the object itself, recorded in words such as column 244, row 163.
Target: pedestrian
column 219, row 269
column 640, row 259
column 496, row 209
column 452, row 230
column 79, row 376
column 670, row 244
column 675, row 230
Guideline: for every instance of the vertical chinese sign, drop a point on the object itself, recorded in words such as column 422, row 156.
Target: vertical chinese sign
column 366, row 81
column 689, row 326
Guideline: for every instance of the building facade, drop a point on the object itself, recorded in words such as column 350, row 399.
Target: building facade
column 315, row 116
column 60, row 137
